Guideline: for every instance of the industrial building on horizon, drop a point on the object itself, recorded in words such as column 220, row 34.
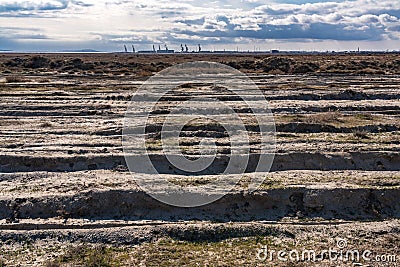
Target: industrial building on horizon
column 184, row 49
column 166, row 50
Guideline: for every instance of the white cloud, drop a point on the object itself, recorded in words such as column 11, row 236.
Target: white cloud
column 17, row 6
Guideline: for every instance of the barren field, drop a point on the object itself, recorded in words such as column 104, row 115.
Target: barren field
column 68, row 199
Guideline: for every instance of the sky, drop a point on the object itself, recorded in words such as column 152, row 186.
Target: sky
column 108, row 25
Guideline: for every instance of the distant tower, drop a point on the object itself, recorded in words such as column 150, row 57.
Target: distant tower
column 126, row 49
column 154, row 49
column 182, row 49
column 133, row 49
column 199, row 48
column 186, row 48
column 166, row 47
column 159, row 47
column 358, row 50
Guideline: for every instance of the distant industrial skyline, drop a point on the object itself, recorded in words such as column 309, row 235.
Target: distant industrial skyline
column 245, row 25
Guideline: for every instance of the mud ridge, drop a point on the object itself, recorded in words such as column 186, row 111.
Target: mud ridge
column 370, row 161
column 274, row 204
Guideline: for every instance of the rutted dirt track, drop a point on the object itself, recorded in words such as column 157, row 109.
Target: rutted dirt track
column 62, row 166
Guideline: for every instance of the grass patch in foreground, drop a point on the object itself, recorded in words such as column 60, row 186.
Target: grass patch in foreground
column 168, row 252
column 231, row 252
column 91, row 256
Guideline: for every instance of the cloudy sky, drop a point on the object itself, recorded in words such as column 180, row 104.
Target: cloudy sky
column 106, row 25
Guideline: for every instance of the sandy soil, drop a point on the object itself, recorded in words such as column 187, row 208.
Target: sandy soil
column 67, row 198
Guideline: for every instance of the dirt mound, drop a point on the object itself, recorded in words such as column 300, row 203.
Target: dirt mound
column 34, row 62
column 306, row 67
column 276, row 64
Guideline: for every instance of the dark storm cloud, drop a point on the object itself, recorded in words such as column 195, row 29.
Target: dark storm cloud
column 295, row 31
